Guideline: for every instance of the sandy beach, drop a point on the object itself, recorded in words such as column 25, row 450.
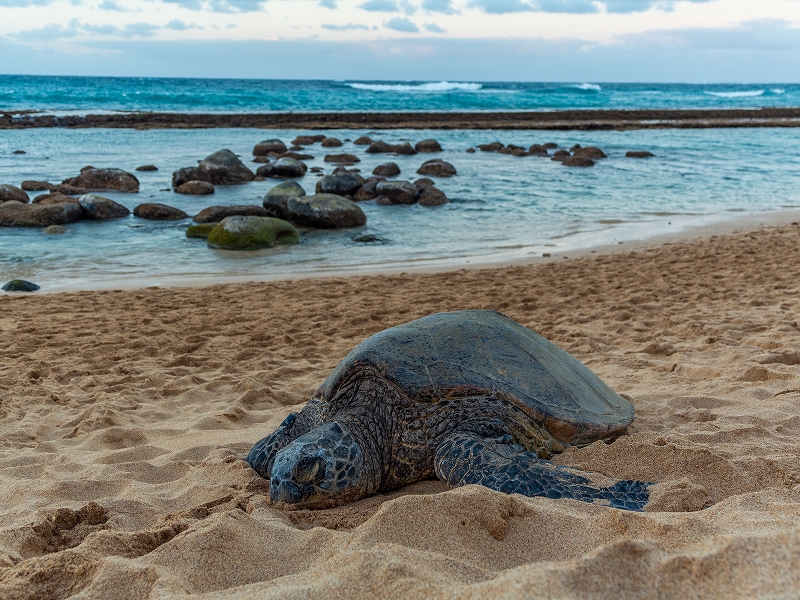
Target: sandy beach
column 125, row 416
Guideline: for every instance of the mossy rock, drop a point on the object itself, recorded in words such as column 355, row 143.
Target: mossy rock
column 252, row 233
column 201, row 230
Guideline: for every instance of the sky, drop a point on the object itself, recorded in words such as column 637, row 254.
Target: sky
column 736, row 41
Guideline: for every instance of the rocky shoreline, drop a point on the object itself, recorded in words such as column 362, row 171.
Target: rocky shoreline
column 580, row 120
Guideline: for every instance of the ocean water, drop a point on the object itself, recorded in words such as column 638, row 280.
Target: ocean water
column 81, row 95
column 502, row 207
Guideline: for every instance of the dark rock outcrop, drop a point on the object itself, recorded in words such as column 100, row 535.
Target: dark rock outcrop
column 296, row 155
column 195, row 188
column 275, row 200
column 368, row 190
column 11, row 193
column 283, row 168
column 493, row 147
column 431, row 196
column 20, row 285
column 252, row 233
column 200, row 230
column 437, row 168
column 589, row 152
column 341, row 184
column 307, row 140
column 330, row 142
column 215, row 214
column 181, row 176
column 146, row 168
column 397, row 192
column 342, row 158
column 16, row 214
column 388, row 169
column 560, row 155
column 639, row 154
column 379, row 147
column 36, row 186
column 404, row 149
column 427, row 146
column 577, row 161
column 550, row 145
column 155, row 211
column 363, row 141
column 264, row 148
column 537, row 150
column 98, row 208
column 55, row 230
column 325, row 211
column 224, row 168
column 55, row 198
column 104, row 180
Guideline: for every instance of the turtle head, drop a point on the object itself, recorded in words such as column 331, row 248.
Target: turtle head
column 321, row 468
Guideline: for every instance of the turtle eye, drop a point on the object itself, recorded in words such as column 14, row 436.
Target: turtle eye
column 309, row 469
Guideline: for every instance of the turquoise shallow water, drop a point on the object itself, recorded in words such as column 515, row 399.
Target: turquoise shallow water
column 503, row 207
column 96, row 94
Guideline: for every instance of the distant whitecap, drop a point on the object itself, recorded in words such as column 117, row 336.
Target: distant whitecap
column 585, row 87
column 441, row 86
column 747, row 94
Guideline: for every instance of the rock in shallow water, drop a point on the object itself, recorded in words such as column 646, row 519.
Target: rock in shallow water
column 437, row 168
column 55, row 230
column 252, row 233
column 427, row 146
column 200, row 230
column 431, row 196
column 577, row 161
column 388, row 169
column 267, row 146
column 592, row 152
column 275, row 200
column 16, row 214
column 215, row 214
column 36, row 186
column 186, row 174
column 98, row 208
column 20, row 285
column 639, row 154
column 147, row 168
column 342, row 158
column 397, row 192
column 341, row 184
column 104, row 180
column 224, row 168
column 11, row 193
column 195, row 188
column 155, row 211
column 283, row 167
column 325, row 211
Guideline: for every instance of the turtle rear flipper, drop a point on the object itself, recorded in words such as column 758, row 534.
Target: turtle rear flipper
column 500, row 464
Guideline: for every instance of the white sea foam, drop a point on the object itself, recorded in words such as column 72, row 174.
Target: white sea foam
column 747, row 94
column 586, row 87
column 441, row 86
column 777, row 91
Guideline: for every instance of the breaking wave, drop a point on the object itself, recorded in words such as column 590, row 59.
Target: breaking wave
column 585, row 87
column 441, row 86
column 747, row 94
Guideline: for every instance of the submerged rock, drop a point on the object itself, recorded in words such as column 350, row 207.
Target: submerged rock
column 104, row 180
column 146, row 168
column 537, row 150
column 20, row 285
column 437, row 168
column 589, row 152
column 200, row 230
column 493, row 147
column 16, row 214
column 341, row 184
column 264, row 148
column 215, row 214
column 98, row 208
column 369, row 238
column 155, row 211
column 388, row 169
column 252, row 233
column 577, row 161
column 55, row 230
column 325, row 211
column 224, row 168
column 11, row 193
column 275, row 200
column 639, row 154
column 284, row 168
column 427, row 146
column 195, row 188
column 342, row 158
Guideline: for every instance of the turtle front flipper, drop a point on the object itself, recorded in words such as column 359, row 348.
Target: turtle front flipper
column 500, row 464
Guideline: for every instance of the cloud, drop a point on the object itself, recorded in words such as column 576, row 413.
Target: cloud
column 433, row 27
column 75, row 28
column 568, row 6
column 442, row 6
column 501, row 7
column 222, row 6
column 347, row 27
column 111, row 5
column 178, row 25
column 17, row 3
column 377, row 6
column 629, row 6
column 51, row 31
column 328, row 4
column 401, row 24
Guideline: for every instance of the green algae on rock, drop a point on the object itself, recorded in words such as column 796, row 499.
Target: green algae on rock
column 252, row 233
column 200, row 230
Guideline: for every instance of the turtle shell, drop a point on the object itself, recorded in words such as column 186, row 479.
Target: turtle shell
column 476, row 353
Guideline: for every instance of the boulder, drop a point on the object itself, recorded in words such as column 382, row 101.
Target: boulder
column 55, row 230
column 104, row 180
column 470, row 150
column 550, row 145
column 560, row 155
column 97, row 208
column 397, row 192
column 200, row 230
column 423, row 183
column 181, row 176
column 54, row 198
column 16, row 214
column 36, row 186
column 369, row 238
column 341, row 184
column 639, row 154
column 388, row 169
column 405, row 149
column 275, row 199
column 215, row 214
column 427, row 146
column 589, row 152
column 262, row 159
column 307, row 140
column 437, row 168
column 283, row 167
column 342, row 158
column 363, row 141
column 224, row 168
column 296, row 156
column 575, row 147
column 252, row 233
column 431, row 196
column 156, row 211
column 330, row 142
column 493, row 147
column 379, row 147
column 20, row 285
column 368, row 190
column 513, row 150
column 325, row 211
column 11, row 193
column 577, row 161
column 146, row 168
column 69, row 190
column 267, row 146
column 537, row 150
column 195, row 188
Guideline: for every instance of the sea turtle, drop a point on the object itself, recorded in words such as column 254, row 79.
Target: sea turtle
column 467, row 396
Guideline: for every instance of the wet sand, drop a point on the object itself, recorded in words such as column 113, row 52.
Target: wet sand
column 124, row 416
column 580, row 120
